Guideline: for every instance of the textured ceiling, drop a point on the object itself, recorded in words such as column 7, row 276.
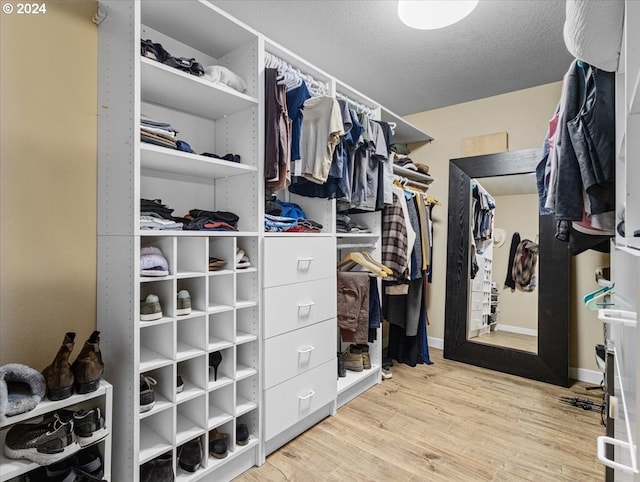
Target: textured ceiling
column 504, row 45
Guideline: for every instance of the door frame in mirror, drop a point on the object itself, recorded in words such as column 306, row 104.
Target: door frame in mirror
column 551, row 363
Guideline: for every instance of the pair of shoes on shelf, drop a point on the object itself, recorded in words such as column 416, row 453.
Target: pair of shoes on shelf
column 153, row 262
column 190, row 455
column 242, row 260
column 356, row 358
column 85, row 466
column 84, row 373
column 55, row 437
column 159, row 469
column 219, row 441
column 218, row 444
column 151, row 310
column 215, row 359
column 216, row 264
column 147, row 396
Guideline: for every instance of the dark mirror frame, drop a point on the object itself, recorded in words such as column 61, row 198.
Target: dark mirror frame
column 551, row 363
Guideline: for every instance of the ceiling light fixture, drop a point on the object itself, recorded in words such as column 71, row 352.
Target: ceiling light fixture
column 433, row 14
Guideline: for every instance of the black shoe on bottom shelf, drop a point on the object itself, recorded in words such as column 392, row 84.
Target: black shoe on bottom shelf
column 86, row 465
column 190, row 455
column 218, row 444
column 342, row 371
column 242, row 434
column 159, row 469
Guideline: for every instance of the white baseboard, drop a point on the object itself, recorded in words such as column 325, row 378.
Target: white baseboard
column 435, row 342
column 584, row 375
column 516, row 329
column 580, row 374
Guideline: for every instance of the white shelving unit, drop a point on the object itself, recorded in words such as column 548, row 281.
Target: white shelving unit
column 11, row 469
column 275, row 322
column 226, row 304
column 622, row 336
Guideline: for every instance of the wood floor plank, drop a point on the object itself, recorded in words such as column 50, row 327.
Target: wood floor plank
column 447, row 422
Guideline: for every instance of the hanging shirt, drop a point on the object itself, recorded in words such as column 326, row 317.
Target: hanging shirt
column 321, row 131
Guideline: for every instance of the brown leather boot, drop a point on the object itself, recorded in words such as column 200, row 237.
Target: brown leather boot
column 58, row 375
column 88, row 367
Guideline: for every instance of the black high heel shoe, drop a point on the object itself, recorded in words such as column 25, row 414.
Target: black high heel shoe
column 215, row 359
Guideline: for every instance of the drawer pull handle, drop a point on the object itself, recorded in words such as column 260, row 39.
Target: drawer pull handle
column 306, row 350
column 304, row 309
column 305, row 262
column 307, row 396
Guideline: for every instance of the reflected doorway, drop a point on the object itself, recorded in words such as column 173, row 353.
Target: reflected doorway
column 503, row 304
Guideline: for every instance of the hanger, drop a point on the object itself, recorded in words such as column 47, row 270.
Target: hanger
column 370, row 258
column 430, row 200
column 597, row 292
column 355, row 258
column 599, row 298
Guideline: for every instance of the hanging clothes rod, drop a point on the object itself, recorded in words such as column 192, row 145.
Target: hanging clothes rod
column 410, row 182
column 274, row 62
column 369, row 111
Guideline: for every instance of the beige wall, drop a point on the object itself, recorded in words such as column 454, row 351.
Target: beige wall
column 524, row 115
column 515, row 214
column 48, row 81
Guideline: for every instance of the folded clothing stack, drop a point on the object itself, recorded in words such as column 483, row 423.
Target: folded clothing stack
column 155, row 215
column 344, row 224
column 157, row 132
column 201, row 220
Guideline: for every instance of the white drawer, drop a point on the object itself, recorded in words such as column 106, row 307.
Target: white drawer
column 293, row 353
column 290, row 307
column 293, row 400
column 296, row 259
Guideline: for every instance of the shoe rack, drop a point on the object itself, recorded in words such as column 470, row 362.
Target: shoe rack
column 225, row 314
column 13, row 469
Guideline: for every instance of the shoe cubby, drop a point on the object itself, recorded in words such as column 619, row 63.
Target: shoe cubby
column 246, row 289
column 250, row 420
column 166, row 244
column 215, row 433
column 247, row 360
column 226, row 367
column 156, row 346
column 187, row 455
column 197, row 288
column 163, row 289
column 221, row 406
column 191, row 419
column 246, row 395
column 191, row 338
column 194, row 375
column 191, row 257
column 221, row 293
column 221, row 331
column 224, row 249
column 247, row 322
column 163, row 390
column 156, row 435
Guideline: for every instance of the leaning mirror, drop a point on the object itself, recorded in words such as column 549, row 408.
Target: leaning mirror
column 524, row 331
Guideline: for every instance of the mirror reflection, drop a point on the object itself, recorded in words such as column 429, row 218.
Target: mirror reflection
column 503, row 272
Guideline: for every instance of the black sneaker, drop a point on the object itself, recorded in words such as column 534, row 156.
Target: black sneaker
column 86, row 462
column 147, row 397
column 89, row 426
column 44, row 443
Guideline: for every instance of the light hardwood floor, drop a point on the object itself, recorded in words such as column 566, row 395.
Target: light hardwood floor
column 509, row 340
column 447, row 422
